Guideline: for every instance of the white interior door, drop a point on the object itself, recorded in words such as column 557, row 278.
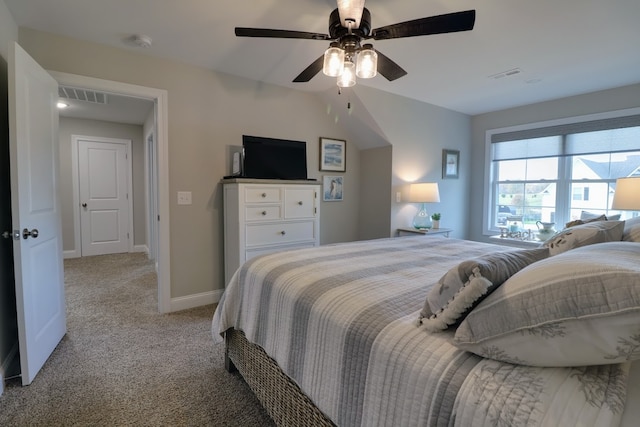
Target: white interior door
column 35, row 209
column 104, row 199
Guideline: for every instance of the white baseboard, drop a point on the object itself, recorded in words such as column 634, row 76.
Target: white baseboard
column 141, row 248
column 6, row 363
column 76, row 254
column 195, row 300
column 71, row 254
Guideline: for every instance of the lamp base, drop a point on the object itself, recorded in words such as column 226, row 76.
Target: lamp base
column 422, row 220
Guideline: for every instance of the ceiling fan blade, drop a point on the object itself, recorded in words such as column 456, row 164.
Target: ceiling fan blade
column 279, row 34
column 447, row 23
column 310, row 71
column 389, row 69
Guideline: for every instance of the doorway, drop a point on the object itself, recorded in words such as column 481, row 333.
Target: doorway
column 161, row 185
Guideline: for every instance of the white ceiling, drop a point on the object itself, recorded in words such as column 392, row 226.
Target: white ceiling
column 561, row 47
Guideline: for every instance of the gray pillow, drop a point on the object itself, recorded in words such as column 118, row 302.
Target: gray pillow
column 465, row 285
column 631, row 231
column 585, row 234
column 579, row 308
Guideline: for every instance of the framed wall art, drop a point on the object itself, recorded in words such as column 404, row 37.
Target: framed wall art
column 333, row 155
column 450, row 163
column 332, row 188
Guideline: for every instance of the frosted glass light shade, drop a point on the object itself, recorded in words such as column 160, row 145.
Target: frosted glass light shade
column 627, row 194
column 367, row 63
column 333, row 64
column 348, row 76
column 352, row 10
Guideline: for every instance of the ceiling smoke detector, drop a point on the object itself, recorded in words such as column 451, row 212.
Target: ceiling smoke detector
column 140, row 40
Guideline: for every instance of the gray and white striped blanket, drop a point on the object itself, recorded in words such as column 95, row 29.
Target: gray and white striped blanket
column 340, row 321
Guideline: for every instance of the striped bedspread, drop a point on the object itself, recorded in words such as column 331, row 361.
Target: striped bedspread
column 340, row 320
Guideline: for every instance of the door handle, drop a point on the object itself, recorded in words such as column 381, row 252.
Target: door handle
column 33, row 233
column 84, row 205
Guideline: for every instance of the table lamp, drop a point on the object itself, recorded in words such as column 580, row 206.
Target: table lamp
column 627, row 194
column 423, row 192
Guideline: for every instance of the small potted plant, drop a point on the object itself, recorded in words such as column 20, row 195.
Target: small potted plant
column 436, row 220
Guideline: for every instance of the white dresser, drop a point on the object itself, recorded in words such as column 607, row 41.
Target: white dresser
column 263, row 216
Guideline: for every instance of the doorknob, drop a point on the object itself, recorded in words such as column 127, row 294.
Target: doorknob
column 8, row 235
column 26, row 233
column 84, row 205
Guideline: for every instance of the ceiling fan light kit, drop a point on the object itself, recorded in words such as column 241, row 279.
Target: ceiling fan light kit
column 333, row 64
column 349, row 25
column 348, row 76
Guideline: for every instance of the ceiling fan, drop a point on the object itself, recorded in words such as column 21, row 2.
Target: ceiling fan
column 349, row 25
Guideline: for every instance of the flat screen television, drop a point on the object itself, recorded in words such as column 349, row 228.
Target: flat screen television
column 269, row 158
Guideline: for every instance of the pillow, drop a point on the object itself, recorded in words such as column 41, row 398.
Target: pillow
column 581, row 307
column 584, row 234
column 631, row 231
column 465, row 285
column 588, row 217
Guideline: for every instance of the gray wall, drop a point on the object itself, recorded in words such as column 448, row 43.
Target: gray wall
column 209, row 111
column 68, row 128
column 375, row 197
column 596, row 102
column 418, row 133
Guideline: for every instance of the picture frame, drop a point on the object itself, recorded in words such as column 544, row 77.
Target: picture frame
column 332, row 188
column 450, row 164
column 333, row 155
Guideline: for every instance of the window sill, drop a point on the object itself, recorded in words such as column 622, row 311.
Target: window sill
column 511, row 241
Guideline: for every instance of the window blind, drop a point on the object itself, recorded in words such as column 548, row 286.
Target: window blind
column 611, row 135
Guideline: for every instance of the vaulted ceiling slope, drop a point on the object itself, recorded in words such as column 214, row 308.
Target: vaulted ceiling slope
column 519, row 52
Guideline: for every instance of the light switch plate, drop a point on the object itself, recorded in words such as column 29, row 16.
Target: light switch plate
column 184, row 197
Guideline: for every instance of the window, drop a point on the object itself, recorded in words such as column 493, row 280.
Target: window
column 555, row 173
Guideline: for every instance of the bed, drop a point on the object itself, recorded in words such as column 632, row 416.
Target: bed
column 347, row 335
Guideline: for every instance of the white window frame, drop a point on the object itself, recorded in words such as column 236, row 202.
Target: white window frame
column 488, row 226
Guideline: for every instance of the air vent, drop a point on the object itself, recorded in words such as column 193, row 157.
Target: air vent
column 508, row 73
column 82, row 95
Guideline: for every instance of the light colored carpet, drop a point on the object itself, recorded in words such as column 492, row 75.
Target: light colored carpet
column 123, row 363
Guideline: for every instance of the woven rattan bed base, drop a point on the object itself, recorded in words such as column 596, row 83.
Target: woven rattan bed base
column 281, row 397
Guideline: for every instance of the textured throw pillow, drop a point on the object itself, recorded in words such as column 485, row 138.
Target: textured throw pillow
column 579, row 308
column 631, row 231
column 584, row 234
column 465, row 285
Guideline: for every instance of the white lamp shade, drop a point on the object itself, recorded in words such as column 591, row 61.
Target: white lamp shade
column 424, row 192
column 333, row 64
column 627, row 194
column 348, row 76
column 367, row 63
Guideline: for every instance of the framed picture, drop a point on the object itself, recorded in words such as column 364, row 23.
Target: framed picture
column 332, row 188
column 333, row 155
column 450, row 163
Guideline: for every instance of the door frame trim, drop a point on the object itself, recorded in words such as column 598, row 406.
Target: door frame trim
column 160, row 99
column 75, row 172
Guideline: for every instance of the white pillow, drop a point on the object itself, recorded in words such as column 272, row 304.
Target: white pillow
column 584, row 234
column 581, row 307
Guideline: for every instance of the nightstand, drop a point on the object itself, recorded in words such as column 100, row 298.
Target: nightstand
column 402, row 232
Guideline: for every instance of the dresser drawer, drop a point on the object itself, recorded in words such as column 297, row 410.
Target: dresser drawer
column 299, row 202
column 262, row 195
column 252, row 253
column 286, row 232
column 262, row 213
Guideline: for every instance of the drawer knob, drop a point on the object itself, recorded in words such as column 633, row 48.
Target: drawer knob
column 283, row 232
column 264, row 195
column 264, row 213
column 300, row 203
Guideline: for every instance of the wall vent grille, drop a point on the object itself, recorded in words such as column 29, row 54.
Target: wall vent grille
column 82, row 95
